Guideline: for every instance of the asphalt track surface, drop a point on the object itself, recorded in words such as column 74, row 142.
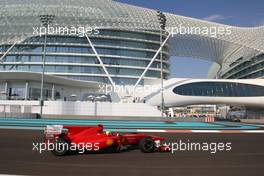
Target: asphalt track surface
column 246, row 158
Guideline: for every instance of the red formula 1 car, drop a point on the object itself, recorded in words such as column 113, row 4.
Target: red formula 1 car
column 65, row 139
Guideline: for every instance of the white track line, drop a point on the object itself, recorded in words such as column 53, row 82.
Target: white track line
column 253, row 131
column 198, row 131
column 206, row 131
column 151, row 131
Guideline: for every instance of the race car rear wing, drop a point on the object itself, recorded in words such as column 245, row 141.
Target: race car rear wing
column 51, row 131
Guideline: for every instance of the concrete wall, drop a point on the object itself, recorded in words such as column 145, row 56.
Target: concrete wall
column 99, row 109
column 83, row 108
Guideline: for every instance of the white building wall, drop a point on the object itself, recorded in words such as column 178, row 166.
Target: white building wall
column 99, row 109
column 85, row 108
column 173, row 100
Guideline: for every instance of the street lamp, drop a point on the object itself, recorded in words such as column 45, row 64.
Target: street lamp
column 45, row 20
column 162, row 20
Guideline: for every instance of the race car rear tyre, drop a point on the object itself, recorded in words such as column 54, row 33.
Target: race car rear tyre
column 147, row 145
column 61, row 147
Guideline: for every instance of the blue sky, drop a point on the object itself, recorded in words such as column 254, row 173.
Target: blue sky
column 232, row 12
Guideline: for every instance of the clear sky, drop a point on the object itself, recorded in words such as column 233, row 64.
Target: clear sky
column 232, row 12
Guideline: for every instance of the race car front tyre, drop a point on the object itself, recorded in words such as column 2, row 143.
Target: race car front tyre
column 61, row 147
column 147, row 145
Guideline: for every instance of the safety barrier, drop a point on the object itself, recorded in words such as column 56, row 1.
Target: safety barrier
column 209, row 119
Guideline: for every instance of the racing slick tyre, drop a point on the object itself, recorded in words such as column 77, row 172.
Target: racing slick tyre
column 147, row 145
column 61, row 147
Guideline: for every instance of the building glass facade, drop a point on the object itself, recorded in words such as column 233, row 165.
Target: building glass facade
column 219, row 89
column 246, row 69
column 124, row 53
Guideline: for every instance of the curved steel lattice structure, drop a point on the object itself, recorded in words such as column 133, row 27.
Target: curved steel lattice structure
column 17, row 19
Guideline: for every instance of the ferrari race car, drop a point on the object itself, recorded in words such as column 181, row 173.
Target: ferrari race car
column 66, row 139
